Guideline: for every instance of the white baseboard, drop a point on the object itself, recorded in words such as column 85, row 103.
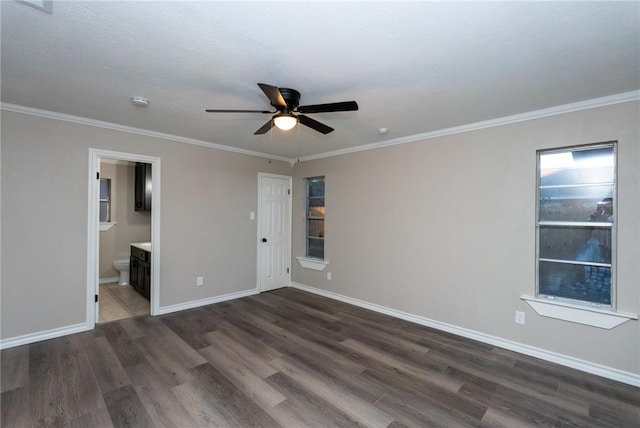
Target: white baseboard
column 564, row 360
column 77, row 328
column 203, row 302
column 42, row 335
column 109, row 280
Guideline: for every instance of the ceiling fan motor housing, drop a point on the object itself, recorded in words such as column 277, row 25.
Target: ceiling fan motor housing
column 291, row 97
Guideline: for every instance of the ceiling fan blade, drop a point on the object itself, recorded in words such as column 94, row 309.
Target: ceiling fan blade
column 274, row 95
column 324, row 108
column 314, row 124
column 265, row 128
column 210, row 110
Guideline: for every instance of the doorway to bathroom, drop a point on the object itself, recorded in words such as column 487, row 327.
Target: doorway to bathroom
column 123, row 188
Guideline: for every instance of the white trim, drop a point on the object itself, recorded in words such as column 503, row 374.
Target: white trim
column 132, row 130
column 310, row 263
column 259, row 214
column 93, row 239
column 492, row 123
column 564, row 360
column 203, row 302
column 110, row 280
column 106, row 225
column 42, row 335
column 95, row 155
column 580, row 314
column 78, row 328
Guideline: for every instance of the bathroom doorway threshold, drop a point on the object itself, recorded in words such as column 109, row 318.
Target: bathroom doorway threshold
column 119, row 302
column 93, row 228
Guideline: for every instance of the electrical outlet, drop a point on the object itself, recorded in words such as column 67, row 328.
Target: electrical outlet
column 199, row 281
column 328, row 276
column 519, row 317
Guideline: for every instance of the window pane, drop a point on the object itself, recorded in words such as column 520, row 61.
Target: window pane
column 316, row 210
column 316, row 202
column 315, row 228
column 577, row 204
column 315, row 186
column 585, row 166
column 105, row 188
column 587, row 283
column 104, row 211
column 584, row 244
column 316, row 248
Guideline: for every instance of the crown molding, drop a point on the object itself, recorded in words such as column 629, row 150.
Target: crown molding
column 624, row 97
column 132, row 130
column 506, row 120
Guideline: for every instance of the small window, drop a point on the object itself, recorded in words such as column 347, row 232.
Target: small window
column 576, row 224
column 105, row 200
column 315, row 217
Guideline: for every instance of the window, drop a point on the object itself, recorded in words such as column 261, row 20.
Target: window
column 105, row 200
column 315, row 217
column 576, row 224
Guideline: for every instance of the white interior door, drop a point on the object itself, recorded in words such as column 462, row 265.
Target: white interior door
column 274, row 231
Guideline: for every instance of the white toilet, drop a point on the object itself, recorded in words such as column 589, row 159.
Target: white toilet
column 122, row 266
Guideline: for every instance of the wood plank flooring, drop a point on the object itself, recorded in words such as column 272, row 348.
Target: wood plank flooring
column 292, row 359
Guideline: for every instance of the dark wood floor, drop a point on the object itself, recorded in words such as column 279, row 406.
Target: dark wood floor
column 293, row 359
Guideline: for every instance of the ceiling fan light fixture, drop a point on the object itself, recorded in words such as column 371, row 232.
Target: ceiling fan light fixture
column 285, row 121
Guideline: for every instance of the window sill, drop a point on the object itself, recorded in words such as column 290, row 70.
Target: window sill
column 587, row 315
column 315, row 264
column 106, row 225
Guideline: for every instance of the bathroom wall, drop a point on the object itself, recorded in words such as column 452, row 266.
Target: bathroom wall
column 131, row 225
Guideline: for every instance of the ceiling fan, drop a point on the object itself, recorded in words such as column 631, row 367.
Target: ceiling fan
column 287, row 112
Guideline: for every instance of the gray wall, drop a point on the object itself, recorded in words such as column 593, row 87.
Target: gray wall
column 445, row 229
column 442, row 228
column 207, row 195
column 131, row 225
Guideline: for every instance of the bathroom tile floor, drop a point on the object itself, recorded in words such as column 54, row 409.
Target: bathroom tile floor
column 118, row 302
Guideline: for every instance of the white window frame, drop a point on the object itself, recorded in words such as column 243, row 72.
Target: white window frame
column 309, row 217
column 312, row 262
column 578, row 311
column 611, row 226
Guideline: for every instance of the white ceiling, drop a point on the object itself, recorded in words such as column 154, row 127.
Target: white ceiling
column 413, row 67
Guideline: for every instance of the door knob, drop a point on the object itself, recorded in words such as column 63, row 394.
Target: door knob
column 264, row 239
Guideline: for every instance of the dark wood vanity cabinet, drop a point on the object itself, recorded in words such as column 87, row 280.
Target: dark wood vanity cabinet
column 140, row 271
column 143, row 187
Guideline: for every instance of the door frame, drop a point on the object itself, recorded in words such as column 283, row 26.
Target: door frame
column 289, row 179
column 93, row 229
